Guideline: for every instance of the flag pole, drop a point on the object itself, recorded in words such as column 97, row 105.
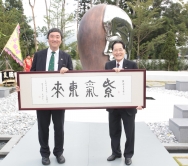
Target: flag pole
column 2, row 50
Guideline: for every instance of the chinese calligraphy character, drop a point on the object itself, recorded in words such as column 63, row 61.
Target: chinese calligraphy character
column 11, row 74
column 90, row 89
column 5, row 75
column 123, row 86
column 108, row 90
column 72, row 88
column 107, row 83
column 46, row 90
column 57, row 88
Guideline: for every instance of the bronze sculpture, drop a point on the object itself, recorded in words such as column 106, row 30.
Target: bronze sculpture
column 99, row 28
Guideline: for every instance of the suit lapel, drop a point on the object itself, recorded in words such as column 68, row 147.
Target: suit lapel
column 60, row 61
column 44, row 59
column 125, row 64
column 113, row 64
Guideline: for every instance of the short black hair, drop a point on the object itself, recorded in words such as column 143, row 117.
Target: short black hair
column 55, row 30
column 120, row 42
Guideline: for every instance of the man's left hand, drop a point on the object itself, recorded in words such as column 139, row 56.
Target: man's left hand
column 139, row 108
column 117, row 69
column 63, row 70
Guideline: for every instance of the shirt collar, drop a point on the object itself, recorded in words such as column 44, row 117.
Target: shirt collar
column 120, row 63
column 56, row 52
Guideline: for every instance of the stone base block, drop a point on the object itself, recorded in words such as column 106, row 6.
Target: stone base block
column 179, row 126
column 176, row 147
column 4, row 92
column 13, row 140
column 170, row 86
column 182, row 85
column 180, row 111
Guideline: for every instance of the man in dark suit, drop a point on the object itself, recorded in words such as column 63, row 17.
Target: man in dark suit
column 126, row 114
column 51, row 59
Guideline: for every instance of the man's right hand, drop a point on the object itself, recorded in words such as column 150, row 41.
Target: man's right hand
column 17, row 88
column 117, row 69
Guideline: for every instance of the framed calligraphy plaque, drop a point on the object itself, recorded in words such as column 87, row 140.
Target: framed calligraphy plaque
column 81, row 89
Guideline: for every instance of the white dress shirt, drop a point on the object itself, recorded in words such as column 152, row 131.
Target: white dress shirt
column 120, row 63
column 56, row 59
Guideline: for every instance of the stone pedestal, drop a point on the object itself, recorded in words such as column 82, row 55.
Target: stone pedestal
column 182, row 85
column 179, row 126
column 4, row 92
column 180, row 111
column 170, row 86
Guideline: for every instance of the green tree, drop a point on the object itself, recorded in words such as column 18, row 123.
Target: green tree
column 177, row 14
column 56, row 17
column 175, row 19
column 170, row 52
column 34, row 23
column 11, row 13
column 42, row 45
column 183, row 51
column 2, row 35
column 83, row 7
column 145, row 23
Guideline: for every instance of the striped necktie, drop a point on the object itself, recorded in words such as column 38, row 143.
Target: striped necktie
column 117, row 65
column 51, row 63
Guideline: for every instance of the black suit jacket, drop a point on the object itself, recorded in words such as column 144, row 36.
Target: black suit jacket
column 126, row 65
column 39, row 61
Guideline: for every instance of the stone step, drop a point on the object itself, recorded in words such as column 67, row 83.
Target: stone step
column 12, row 141
column 176, row 147
column 180, row 111
column 182, row 85
column 170, row 86
column 179, row 126
column 5, row 91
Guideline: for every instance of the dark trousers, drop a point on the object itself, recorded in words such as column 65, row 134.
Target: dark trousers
column 115, row 129
column 44, row 118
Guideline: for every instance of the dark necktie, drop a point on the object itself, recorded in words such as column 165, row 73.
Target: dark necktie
column 51, row 63
column 117, row 65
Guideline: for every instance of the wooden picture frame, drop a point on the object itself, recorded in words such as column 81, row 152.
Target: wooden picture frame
column 81, row 89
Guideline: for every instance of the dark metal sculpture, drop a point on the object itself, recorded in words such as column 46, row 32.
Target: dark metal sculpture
column 99, row 28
